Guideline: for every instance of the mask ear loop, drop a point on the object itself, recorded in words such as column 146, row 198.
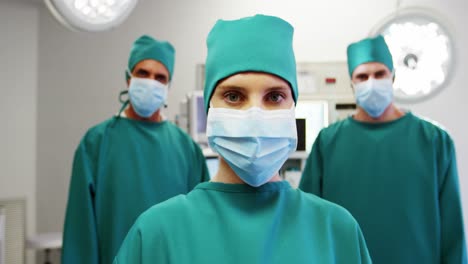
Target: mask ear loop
column 124, row 105
column 120, row 96
column 124, row 92
column 122, row 101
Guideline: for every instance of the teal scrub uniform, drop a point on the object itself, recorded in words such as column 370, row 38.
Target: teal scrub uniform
column 121, row 168
column 237, row 223
column 399, row 180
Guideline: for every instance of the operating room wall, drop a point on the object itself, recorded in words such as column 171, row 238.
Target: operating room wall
column 80, row 74
column 18, row 105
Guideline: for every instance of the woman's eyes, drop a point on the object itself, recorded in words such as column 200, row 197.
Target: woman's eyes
column 237, row 97
column 275, row 97
column 232, row 97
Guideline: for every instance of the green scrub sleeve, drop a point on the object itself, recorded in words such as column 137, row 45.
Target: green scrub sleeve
column 311, row 180
column 131, row 249
column 80, row 244
column 452, row 233
column 364, row 252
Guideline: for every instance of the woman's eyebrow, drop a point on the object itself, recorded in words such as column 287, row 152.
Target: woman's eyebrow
column 278, row 88
column 231, row 87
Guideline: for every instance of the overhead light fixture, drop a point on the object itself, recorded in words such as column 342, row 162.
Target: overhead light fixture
column 91, row 15
column 423, row 52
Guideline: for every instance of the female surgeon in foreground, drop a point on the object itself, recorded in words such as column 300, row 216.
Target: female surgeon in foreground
column 247, row 214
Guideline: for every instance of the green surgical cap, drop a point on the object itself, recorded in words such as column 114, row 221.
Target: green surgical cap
column 146, row 47
column 259, row 44
column 369, row 50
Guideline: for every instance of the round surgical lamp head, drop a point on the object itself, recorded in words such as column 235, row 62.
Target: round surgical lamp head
column 423, row 52
column 91, row 15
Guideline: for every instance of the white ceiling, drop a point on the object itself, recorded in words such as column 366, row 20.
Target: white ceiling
column 24, row 1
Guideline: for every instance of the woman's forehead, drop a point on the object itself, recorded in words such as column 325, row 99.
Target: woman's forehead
column 254, row 80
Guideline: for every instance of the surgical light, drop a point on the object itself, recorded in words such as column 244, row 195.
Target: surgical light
column 91, row 15
column 422, row 50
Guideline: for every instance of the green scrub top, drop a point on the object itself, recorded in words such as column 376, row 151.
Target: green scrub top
column 121, row 168
column 237, row 223
column 399, row 180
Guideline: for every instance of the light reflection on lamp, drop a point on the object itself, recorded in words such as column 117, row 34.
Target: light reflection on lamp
column 91, row 15
column 422, row 53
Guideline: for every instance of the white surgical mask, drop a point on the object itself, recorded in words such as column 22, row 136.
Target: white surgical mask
column 374, row 95
column 254, row 142
column 147, row 95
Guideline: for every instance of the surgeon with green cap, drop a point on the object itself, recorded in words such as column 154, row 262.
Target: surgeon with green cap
column 129, row 162
column 394, row 171
column 246, row 213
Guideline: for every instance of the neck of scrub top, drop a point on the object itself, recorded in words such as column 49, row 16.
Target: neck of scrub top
column 225, row 174
column 391, row 113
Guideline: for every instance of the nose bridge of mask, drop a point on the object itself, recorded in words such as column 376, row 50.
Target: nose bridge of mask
column 385, row 85
column 150, row 83
column 371, row 83
column 253, row 122
column 365, row 84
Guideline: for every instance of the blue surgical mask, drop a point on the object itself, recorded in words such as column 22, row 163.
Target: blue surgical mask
column 254, row 142
column 374, row 95
column 146, row 95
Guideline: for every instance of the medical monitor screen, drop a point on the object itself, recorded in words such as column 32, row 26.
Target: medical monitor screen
column 301, row 130
column 315, row 113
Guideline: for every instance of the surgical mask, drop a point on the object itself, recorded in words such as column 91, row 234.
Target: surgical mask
column 374, row 95
column 254, row 142
column 146, row 95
